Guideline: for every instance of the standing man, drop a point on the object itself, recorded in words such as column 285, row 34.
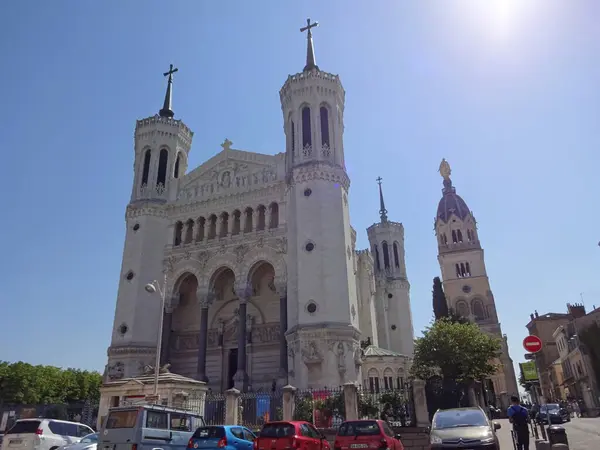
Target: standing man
column 519, row 417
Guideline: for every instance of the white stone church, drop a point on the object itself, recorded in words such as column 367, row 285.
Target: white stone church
column 257, row 259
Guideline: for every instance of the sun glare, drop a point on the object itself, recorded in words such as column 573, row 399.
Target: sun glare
column 499, row 19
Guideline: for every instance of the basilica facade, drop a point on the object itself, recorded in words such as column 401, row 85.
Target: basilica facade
column 255, row 258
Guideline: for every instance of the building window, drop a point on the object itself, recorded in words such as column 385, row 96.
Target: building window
column 324, row 126
column 177, row 163
column 293, row 136
column 459, row 236
column 377, row 263
column 386, row 255
column 306, row 132
column 396, row 257
column 146, row 170
column 454, row 238
column 163, row 160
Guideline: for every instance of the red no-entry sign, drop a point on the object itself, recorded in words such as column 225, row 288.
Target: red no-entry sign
column 532, row 344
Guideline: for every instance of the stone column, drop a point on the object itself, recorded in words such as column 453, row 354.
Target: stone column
column 351, row 401
column 204, row 300
column 283, row 325
column 289, row 402
column 240, row 377
column 420, row 403
column 166, row 335
column 232, row 403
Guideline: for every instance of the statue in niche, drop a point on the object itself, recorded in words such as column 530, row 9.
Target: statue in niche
column 340, row 357
column 226, row 179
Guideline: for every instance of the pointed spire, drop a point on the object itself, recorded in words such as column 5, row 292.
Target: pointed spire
column 310, row 48
column 382, row 210
column 167, row 110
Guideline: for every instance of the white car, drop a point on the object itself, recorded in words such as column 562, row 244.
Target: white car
column 43, row 434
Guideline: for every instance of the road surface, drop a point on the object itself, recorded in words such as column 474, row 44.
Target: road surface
column 583, row 434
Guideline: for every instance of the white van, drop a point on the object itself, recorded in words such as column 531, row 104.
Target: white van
column 43, row 434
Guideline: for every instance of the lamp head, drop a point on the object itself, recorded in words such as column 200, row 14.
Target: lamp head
column 150, row 288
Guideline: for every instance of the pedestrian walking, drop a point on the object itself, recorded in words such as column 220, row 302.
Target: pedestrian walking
column 519, row 417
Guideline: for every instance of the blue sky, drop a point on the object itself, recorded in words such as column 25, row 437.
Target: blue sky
column 507, row 91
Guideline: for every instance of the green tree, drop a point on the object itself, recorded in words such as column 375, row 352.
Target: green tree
column 22, row 383
column 440, row 305
column 455, row 351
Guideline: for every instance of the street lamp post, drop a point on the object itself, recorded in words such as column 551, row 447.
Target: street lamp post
column 152, row 288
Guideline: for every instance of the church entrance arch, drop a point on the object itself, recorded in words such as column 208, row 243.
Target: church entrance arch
column 181, row 326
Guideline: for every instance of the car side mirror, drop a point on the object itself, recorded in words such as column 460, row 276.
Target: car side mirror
column 398, row 436
column 497, row 426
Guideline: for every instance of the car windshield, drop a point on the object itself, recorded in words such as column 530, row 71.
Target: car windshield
column 359, row 428
column 90, row 439
column 277, row 429
column 551, row 407
column 454, row 418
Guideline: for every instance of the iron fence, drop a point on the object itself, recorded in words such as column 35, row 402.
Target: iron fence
column 325, row 408
column 257, row 408
column 83, row 412
column 394, row 404
column 214, row 408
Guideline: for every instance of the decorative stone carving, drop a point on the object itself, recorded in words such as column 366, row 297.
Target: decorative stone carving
column 223, row 248
column 260, row 242
column 149, row 369
column 203, row 258
column 262, row 334
column 281, row 245
column 116, row 371
column 240, row 252
column 311, row 353
column 340, row 354
column 169, row 264
column 353, row 312
column 187, row 255
column 213, row 338
column 359, row 355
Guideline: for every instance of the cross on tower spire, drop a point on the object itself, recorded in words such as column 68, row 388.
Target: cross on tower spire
column 310, row 48
column 167, row 110
column 382, row 210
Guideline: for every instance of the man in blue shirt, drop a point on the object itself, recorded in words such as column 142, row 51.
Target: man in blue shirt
column 519, row 417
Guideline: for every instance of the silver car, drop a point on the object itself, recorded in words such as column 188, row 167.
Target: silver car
column 88, row 442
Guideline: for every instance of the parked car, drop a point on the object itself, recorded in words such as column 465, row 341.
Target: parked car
column 89, row 442
column 463, row 428
column 366, row 434
column 229, row 437
column 290, row 435
column 556, row 412
column 43, row 434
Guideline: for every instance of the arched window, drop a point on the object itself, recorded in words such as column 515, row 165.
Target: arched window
column 248, row 225
column 189, row 232
column 468, row 269
column 293, row 136
column 478, row 311
column 396, row 257
column 146, row 170
column 386, row 255
column 459, row 235
column 163, row 159
column 458, row 274
column 224, row 224
column 274, row 215
column 454, row 240
column 377, row 263
column 200, row 233
column 177, row 163
column 212, row 227
column 261, row 222
column 306, row 133
column 324, row 113
column 237, row 221
column 462, row 309
column 178, row 233
column 388, row 379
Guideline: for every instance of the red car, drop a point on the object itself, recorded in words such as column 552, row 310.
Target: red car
column 367, row 434
column 293, row 435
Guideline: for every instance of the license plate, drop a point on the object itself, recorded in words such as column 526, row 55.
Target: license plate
column 16, row 441
column 359, row 446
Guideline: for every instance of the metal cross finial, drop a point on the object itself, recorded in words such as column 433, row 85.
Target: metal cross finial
column 379, row 180
column 309, row 26
column 226, row 144
column 170, row 72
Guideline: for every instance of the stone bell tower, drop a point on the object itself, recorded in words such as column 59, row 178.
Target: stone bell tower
column 323, row 335
column 161, row 148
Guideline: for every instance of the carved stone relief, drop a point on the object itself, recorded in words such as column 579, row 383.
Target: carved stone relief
column 281, row 245
column 116, row 371
column 311, row 353
column 240, row 252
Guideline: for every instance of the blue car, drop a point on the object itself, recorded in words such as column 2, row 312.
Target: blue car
column 227, row 437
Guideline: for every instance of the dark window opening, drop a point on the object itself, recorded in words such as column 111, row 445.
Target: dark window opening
column 324, row 126
column 293, row 136
column 454, row 239
column 396, row 257
column 459, row 235
column 146, row 170
column 260, row 223
column 212, row 227
column 189, row 232
column 274, row 215
column 224, row 225
column 163, row 159
column 177, row 162
column 377, row 263
column 178, row 233
column 200, row 232
column 306, row 132
column 386, row 255
column 237, row 221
